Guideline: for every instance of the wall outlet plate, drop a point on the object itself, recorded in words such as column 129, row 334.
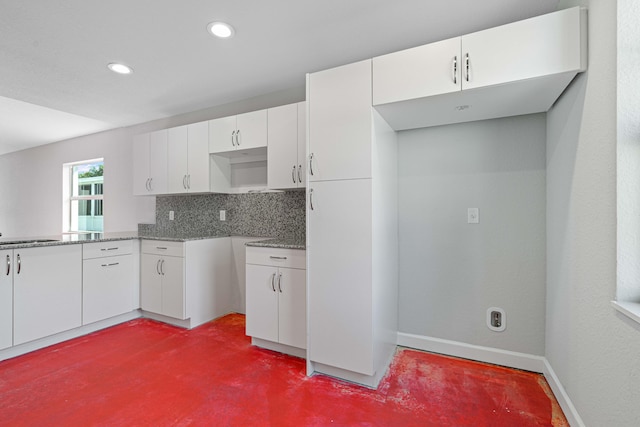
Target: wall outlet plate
column 223, row 215
column 473, row 216
column 171, row 215
column 496, row 319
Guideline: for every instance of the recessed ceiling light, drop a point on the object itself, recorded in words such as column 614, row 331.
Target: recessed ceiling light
column 221, row 29
column 120, row 68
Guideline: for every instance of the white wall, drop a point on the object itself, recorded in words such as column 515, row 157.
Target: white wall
column 31, row 180
column 451, row 272
column 594, row 351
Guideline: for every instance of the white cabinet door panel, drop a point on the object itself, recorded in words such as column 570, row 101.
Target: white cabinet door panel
column 198, row 157
column 282, row 153
column 173, row 289
column 158, row 161
column 292, row 307
column 107, row 287
column 340, row 265
column 427, row 70
column 252, row 130
column 47, row 291
column 302, row 144
column 340, row 124
column 221, row 134
column 535, row 47
column 262, row 302
column 177, row 160
column 6, row 298
column 150, row 283
column 141, row 164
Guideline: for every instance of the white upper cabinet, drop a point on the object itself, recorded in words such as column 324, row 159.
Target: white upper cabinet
column 150, row 163
column 340, row 129
column 518, row 68
column 188, row 158
column 244, row 131
column 541, row 46
column 427, row 70
column 286, row 153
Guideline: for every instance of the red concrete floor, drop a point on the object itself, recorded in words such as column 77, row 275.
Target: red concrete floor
column 145, row 373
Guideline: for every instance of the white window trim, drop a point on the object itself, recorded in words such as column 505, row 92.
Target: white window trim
column 68, row 199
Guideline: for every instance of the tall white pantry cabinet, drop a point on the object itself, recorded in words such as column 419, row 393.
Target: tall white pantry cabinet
column 352, row 241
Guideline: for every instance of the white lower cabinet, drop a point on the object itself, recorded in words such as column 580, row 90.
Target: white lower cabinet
column 277, row 296
column 162, row 272
column 189, row 282
column 47, row 286
column 108, row 282
column 6, row 299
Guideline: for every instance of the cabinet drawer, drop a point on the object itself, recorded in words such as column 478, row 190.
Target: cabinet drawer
column 291, row 258
column 102, row 249
column 162, row 247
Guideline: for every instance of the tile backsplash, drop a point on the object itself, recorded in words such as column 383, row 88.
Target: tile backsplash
column 279, row 215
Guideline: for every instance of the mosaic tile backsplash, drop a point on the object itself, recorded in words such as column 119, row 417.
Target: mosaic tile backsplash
column 279, row 215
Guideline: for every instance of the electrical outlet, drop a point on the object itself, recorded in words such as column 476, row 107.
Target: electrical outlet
column 171, row 216
column 223, row 215
column 496, row 319
column 473, row 216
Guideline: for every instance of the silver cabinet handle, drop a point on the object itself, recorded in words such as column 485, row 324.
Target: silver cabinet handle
column 189, row 182
column 146, row 184
column 311, row 164
column 8, row 265
column 163, row 248
column 455, row 70
column 466, row 66
column 19, row 264
column 162, row 267
column 109, row 249
column 238, row 139
column 279, row 282
column 233, row 134
column 311, row 199
column 150, row 184
column 293, row 174
column 111, row 264
column 184, row 182
column 299, row 169
column 277, row 257
column 273, row 278
column 158, row 267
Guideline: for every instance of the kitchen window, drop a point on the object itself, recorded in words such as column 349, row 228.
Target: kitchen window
column 83, row 188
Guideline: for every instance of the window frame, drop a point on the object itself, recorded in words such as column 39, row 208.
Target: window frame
column 68, row 195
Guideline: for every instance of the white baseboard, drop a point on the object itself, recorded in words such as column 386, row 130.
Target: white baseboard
column 511, row 359
column 562, row 397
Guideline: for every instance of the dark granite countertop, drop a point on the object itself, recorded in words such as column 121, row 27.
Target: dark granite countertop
column 278, row 243
column 76, row 238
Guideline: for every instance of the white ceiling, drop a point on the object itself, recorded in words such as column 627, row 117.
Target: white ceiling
column 54, row 83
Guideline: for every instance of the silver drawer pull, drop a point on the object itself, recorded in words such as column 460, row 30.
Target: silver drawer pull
column 163, row 248
column 278, row 257
column 111, row 264
column 109, row 249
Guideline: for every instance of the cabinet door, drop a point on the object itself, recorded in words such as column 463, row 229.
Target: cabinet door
column 141, row 165
column 340, row 122
column 221, row 134
column 262, row 302
column 47, row 291
column 6, row 299
column 302, row 144
column 340, row 278
column 198, row 152
column 282, row 152
column 173, row 291
column 251, row 130
column 158, row 161
column 107, row 287
column 427, row 70
column 536, row 47
column 150, row 283
column 292, row 307
column 177, row 160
